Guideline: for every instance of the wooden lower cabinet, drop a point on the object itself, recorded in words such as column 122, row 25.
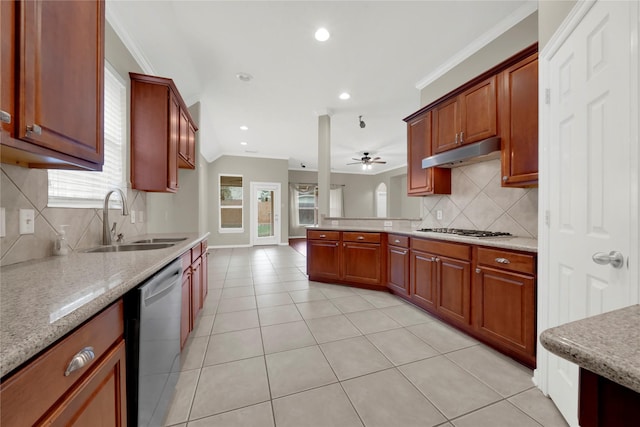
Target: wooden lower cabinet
column 41, row 394
column 195, row 286
column 504, row 301
column 346, row 257
column 441, row 279
column 398, row 264
column 603, row 402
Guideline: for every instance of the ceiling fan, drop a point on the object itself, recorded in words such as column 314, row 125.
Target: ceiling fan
column 367, row 161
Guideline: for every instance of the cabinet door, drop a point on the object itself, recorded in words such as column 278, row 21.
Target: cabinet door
column 191, row 144
column 504, row 310
column 185, row 311
column 7, row 76
column 446, row 123
column 100, row 396
column 323, row 259
column 423, row 280
column 398, row 269
column 61, row 94
column 174, row 141
column 418, row 147
column 454, row 289
column 519, row 123
column 205, row 273
column 478, row 110
column 196, row 289
column 362, row 263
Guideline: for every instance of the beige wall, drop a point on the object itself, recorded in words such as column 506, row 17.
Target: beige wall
column 252, row 170
column 512, row 41
column 551, row 14
column 23, row 188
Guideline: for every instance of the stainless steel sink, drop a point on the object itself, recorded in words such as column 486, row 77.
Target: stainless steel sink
column 126, row 247
column 161, row 240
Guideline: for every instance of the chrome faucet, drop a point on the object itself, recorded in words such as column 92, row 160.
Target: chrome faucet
column 106, row 233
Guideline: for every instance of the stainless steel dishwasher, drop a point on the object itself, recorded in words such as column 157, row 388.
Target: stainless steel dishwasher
column 152, row 339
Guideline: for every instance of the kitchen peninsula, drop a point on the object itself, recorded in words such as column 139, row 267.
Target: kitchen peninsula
column 485, row 287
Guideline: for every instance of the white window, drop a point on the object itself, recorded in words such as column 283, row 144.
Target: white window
column 231, row 204
column 83, row 189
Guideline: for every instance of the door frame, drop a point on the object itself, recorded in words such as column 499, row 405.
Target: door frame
column 276, row 187
column 580, row 10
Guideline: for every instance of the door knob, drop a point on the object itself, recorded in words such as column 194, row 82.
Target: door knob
column 615, row 258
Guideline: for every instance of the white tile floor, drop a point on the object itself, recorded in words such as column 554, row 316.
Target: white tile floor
column 272, row 348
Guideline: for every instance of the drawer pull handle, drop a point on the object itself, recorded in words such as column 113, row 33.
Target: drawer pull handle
column 396, row 241
column 322, row 236
column 80, row 360
column 34, row 129
column 404, row 253
column 503, row 261
column 360, row 237
column 5, row 117
column 478, row 271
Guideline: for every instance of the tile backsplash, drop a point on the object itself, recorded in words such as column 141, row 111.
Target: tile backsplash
column 477, row 201
column 23, row 188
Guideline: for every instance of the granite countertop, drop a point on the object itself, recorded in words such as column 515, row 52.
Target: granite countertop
column 515, row 243
column 43, row 300
column 607, row 344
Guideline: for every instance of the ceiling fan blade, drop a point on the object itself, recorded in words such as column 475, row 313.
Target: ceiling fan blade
column 380, row 162
column 354, row 163
column 353, row 158
column 377, row 158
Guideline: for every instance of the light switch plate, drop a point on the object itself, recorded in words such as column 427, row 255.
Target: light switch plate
column 334, row 222
column 27, row 221
column 388, row 224
column 438, row 214
column 132, row 214
column 3, row 224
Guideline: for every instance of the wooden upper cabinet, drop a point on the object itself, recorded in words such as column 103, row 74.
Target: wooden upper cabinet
column 469, row 117
column 446, row 122
column 519, row 123
column 478, row 112
column 160, row 127
column 57, row 111
column 7, row 65
column 421, row 182
column 186, row 149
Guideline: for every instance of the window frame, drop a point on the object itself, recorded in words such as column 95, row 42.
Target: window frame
column 222, row 230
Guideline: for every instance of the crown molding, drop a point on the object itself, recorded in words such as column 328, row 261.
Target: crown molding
column 128, row 41
column 500, row 28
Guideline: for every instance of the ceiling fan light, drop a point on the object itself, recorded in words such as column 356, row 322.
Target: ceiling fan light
column 322, row 35
column 364, row 167
column 369, row 167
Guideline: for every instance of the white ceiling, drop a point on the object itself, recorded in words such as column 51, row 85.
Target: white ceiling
column 378, row 52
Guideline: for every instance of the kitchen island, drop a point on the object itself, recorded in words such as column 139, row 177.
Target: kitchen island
column 606, row 347
column 43, row 300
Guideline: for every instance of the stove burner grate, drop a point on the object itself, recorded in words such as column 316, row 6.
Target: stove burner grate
column 467, row 233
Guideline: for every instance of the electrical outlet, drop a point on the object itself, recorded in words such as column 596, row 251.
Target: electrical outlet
column 27, row 221
column 334, row 222
column 132, row 214
column 3, row 225
column 140, row 216
column 439, row 214
column 388, row 224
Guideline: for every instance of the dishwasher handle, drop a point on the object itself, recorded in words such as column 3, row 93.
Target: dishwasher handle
column 162, row 283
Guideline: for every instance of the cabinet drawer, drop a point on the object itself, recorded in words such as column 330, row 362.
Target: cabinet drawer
column 186, row 260
column 28, row 395
column 397, row 240
column 196, row 251
column 453, row 250
column 323, row 235
column 349, row 236
column 506, row 260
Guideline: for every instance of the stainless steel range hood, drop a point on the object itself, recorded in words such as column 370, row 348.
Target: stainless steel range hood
column 487, row 149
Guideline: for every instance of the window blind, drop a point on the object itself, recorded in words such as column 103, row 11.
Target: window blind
column 83, row 189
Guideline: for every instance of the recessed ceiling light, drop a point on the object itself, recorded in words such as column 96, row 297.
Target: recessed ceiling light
column 322, row 35
column 243, row 143
column 344, row 96
column 243, row 127
column 244, row 77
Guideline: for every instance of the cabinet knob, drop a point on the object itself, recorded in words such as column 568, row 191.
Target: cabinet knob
column 505, row 178
column 502, row 261
column 80, row 360
column 338, row 244
column 433, row 259
column 34, row 128
column 478, row 270
column 404, row 253
column 5, row 117
column 456, row 139
column 461, row 137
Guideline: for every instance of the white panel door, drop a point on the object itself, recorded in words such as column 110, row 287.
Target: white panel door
column 265, row 213
column 591, row 168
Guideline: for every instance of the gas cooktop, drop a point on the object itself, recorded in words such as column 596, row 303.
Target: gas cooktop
column 467, row 233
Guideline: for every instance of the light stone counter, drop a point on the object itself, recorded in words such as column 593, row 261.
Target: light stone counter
column 43, row 300
column 607, row 345
column 514, row 243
